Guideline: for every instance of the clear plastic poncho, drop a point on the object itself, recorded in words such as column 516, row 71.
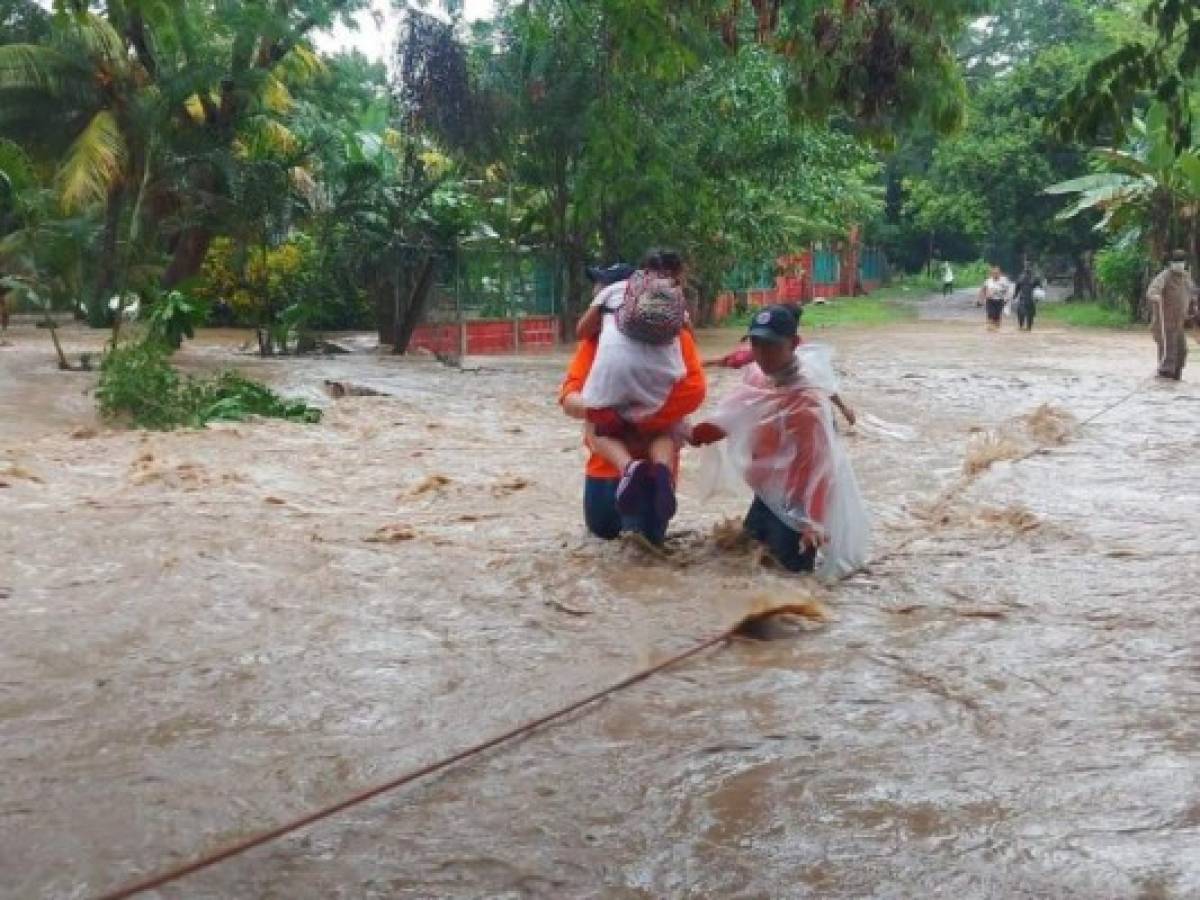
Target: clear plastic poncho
column 780, row 441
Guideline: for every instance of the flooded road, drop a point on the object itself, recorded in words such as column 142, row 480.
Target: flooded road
column 205, row 633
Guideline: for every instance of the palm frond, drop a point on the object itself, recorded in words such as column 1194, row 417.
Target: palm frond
column 301, row 65
column 96, row 38
column 16, row 166
column 1098, row 181
column 1109, row 199
column 45, row 70
column 275, row 96
column 1127, row 162
column 95, row 163
column 272, row 136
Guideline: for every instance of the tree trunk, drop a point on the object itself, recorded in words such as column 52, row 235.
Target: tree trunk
column 1137, row 301
column 188, row 257
column 106, row 277
column 381, row 293
column 53, row 329
column 610, row 231
column 1084, row 287
column 573, row 302
column 414, row 310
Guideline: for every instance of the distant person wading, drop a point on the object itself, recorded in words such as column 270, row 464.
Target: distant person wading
column 1172, row 295
column 1028, row 291
column 994, row 294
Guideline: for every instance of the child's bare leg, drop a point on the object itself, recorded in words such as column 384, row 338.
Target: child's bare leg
column 662, row 453
column 662, row 450
column 611, row 448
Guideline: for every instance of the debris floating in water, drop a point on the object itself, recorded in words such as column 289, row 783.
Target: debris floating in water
column 987, row 448
column 431, row 483
column 729, row 535
column 1050, row 425
column 1046, row 426
column 768, row 620
column 1014, row 516
column 391, row 534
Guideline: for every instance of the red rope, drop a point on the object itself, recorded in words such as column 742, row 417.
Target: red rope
column 204, row 862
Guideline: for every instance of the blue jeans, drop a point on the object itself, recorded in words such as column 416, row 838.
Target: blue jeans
column 603, row 520
column 781, row 539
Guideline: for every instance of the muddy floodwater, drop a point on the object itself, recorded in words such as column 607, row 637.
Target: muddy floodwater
column 205, row 633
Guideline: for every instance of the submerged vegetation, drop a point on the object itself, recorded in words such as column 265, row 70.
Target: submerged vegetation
column 138, row 385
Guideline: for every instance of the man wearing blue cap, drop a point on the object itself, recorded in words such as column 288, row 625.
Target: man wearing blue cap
column 781, row 440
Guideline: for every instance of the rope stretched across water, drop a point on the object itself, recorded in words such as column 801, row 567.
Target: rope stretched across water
column 211, row 859
column 967, row 480
column 172, row 875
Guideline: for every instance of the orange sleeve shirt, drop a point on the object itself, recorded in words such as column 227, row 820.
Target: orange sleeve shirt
column 684, row 399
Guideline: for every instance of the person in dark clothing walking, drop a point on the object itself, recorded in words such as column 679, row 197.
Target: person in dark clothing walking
column 1026, row 292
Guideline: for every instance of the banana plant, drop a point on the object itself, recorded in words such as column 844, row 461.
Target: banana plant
column 1149, row 191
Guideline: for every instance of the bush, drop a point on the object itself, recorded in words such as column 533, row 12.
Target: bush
column 295, row 281
column 138, row 383
column 1120, row 272
column 970, row 274
column 173, row 317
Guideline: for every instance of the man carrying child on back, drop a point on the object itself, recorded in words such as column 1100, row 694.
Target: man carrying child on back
column 634, row 378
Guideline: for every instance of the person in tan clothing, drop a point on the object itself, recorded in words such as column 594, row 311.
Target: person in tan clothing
column 1171, row 295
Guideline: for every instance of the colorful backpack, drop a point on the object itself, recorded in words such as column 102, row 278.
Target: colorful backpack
column 654, row 309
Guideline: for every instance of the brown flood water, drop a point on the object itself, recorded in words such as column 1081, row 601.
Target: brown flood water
column 205, row 633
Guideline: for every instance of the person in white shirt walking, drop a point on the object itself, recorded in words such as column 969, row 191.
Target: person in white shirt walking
column 947, row 280
column 995, row 294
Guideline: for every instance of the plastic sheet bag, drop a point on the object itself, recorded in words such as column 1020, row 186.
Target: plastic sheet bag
column 780, row 441
column 881, row 428
column 816, row 366
column 634, row 377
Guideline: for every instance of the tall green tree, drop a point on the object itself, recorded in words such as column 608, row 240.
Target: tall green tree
column 987, row 183
column 1159, row 60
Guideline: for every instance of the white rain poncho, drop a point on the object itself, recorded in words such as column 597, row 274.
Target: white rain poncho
column 633, row 377
column 780, row 441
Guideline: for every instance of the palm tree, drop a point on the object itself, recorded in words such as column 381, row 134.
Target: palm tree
column 98, row 94
column 41, row 251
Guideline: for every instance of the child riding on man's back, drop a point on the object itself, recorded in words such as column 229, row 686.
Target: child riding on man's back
column 638, row 361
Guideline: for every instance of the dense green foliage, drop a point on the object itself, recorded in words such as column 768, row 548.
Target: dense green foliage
column 205, row 128
column 206, row 146
column 980, row 193
column 138, row 385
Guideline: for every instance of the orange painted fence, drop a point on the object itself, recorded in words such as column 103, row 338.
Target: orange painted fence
column 485, row 337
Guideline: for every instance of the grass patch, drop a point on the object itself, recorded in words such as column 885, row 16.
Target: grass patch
column 138, row 384
column 876, row 309
column 863, row 311
column 1080, row 314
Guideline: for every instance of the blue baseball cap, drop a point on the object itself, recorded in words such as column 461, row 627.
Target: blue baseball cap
column 610, row 274
column 774, row 323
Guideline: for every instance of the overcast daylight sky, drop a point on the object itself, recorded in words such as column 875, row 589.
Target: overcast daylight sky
column 377, row 28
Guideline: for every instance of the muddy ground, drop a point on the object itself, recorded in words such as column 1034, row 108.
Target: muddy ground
column 204, row 633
